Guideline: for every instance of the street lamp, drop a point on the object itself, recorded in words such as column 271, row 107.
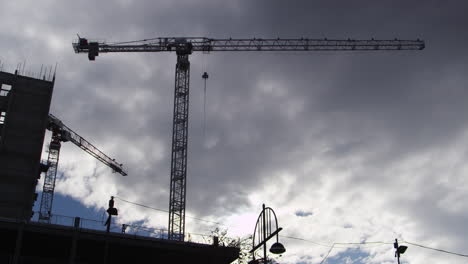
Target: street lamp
column 110, row 211
column 399, row 250
column 265, row 229
column 277, row 248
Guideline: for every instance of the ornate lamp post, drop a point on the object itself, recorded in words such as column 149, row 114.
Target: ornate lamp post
column 265, row 229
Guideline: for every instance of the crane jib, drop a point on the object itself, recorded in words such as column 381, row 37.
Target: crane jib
column 67, row 134
column 93, row 48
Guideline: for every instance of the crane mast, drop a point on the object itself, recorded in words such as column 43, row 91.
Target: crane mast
column 50, row 175
column 61, row 133
column 184, row 46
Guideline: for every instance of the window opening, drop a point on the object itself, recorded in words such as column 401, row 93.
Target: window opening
column 5, row 89
column 2, row 118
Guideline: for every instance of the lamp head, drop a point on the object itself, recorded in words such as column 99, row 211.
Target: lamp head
column 112, row 211
column 402, row 249
column 277, row 248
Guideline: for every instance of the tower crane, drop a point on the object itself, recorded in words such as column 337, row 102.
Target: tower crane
column 61, row 133
column 183, row 47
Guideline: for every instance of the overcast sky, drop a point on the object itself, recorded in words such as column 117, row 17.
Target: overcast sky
column 345, row 146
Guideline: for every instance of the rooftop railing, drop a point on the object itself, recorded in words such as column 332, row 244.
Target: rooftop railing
column 121, row 228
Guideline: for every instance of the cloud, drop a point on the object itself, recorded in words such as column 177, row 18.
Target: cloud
column 369, row 140
column 303, row 214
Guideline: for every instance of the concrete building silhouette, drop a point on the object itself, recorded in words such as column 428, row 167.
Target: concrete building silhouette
column 24, row 111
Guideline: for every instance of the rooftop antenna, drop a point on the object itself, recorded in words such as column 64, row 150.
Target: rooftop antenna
column 55, row 71
column 24, row 65
column 50, row 72
column 45, row 73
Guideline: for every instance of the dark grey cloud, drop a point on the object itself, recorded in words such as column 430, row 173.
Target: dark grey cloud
column 347, row 129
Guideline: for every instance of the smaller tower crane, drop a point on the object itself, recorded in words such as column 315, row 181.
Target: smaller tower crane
column 61, row 133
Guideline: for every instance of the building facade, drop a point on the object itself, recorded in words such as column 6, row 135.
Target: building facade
column 24, row 111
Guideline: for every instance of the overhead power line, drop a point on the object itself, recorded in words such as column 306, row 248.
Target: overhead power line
column 376, row 243
column 165, row 211
column 328, row 253
column 302, row 239
column 142, row 205
column 334, row 245
column 436, row 249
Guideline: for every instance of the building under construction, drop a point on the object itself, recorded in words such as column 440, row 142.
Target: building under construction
column 24, row 111
column 24, row 118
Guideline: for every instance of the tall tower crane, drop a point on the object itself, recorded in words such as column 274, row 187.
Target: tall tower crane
column 183, row 47
column 61, row 133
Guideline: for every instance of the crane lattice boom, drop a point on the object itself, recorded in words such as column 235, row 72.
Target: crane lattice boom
column 255, row 44
column 61, row 133
column 183, row 48
column 72, row 136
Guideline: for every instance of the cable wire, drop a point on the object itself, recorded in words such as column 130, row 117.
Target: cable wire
column 326, row 256
column 290, row 237
column 436, row 249
column 164, row 211
column 142, row 205
column 132, row 41
column 334, row 245
column 302, row 239
column 375, row 243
